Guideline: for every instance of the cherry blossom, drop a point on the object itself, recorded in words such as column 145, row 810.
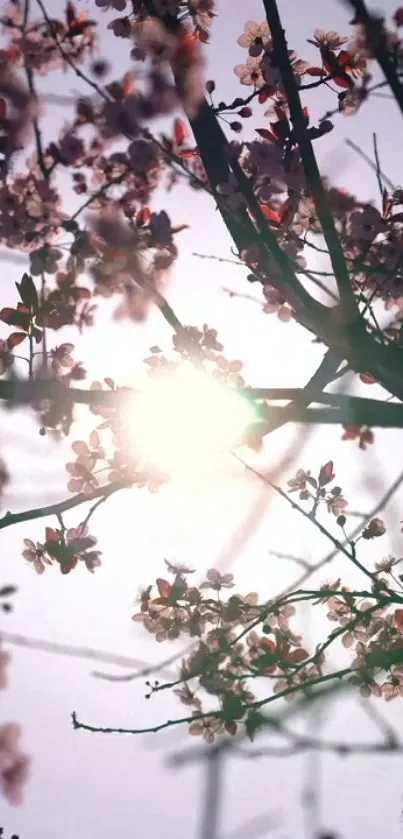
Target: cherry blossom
column 14, row 765
column 331, row 40
column 255, row 38
column 250, row 73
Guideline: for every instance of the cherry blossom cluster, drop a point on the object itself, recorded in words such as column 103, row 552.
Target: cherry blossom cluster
column 240, row 639
column 65, row 547
column 313, row 489
column 273, row 163
column 198, row 14
column 35, row 44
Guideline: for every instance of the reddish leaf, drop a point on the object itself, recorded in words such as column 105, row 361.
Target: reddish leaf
column 316, row 71
column 343, row 81
column 128, row 84
column 351, row 432
column 263, row 96
column 367, row 379
column 179, row 132
column 71, row 13
column 16, row 338
column 326, row 474
column 270, row 214
column 337, row 66
column 3, row 109
column 189, row 153
column 15, row 318
column 164, row 588
column 143, row 216
column 266, row 134
column 77, row 23
column 280, row 113
column 296, row 656
column 344, row 60
column 52, row 535
column 231, row 728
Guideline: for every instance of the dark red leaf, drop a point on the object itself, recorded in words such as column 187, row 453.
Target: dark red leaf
column 367, row 379
column 343, row 81
column 16, row 338
column 266, row 134
column 326, row 474
column 14, row 318
column 316, row 71
column 297, row 656
column 179, row 132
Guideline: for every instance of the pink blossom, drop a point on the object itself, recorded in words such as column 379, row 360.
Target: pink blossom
column 250, row 73
column 255, row 38
column 14, row 765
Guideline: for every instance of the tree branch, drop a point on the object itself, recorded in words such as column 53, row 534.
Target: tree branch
column 62, row 506
column 377, row 40
column 347, row 299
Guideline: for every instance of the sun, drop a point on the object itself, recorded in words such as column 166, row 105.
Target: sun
column 185, row 419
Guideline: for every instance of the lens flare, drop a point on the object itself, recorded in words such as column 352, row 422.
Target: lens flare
column 185, row 419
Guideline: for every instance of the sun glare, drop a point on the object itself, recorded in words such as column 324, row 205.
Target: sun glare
column 185, row 419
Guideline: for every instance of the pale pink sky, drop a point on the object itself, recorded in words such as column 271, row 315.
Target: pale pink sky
column 86, row 785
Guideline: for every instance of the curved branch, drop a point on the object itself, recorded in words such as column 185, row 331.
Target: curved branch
column 62, row 506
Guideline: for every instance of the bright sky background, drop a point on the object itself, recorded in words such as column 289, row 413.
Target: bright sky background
column 92, row 785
